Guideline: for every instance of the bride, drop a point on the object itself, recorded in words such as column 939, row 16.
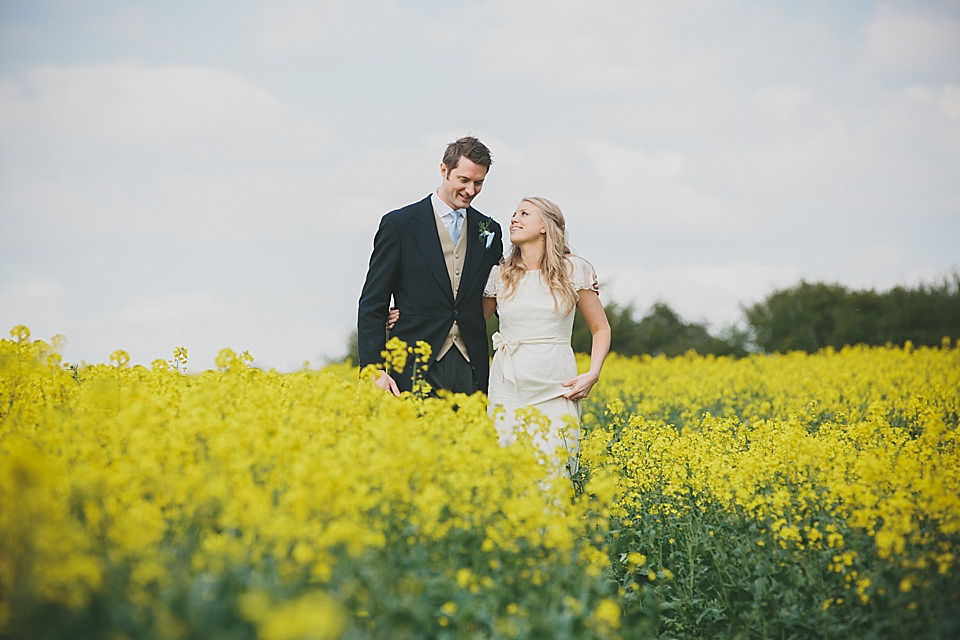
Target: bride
column 535, row 291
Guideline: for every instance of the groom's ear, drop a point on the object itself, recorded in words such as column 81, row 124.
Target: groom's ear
column 443, row 170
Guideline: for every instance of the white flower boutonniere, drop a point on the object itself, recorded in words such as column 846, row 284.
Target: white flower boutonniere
column 486, row 236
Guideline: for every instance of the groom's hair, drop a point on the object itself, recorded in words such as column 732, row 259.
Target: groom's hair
column 473, row 149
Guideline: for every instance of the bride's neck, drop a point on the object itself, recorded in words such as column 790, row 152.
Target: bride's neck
column 531, row 254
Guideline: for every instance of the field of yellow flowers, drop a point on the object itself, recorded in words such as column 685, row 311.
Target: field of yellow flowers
column 806, row 496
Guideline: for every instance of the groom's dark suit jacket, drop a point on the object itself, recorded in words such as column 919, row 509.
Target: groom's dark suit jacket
column 407, row 262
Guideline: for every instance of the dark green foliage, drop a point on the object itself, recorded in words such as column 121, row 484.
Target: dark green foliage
column 812, row 316
column 731, row 579
column 661, row 331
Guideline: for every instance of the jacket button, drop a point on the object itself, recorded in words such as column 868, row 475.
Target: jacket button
column 455, row 313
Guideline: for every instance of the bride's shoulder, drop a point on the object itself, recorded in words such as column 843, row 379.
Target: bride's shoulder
column 578, row 262
column 582, row 273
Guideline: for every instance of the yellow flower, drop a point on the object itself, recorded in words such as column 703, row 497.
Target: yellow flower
column 395, row 355
column 607, row 614
column 464, row 578
column 120, row 358
column 312, row 616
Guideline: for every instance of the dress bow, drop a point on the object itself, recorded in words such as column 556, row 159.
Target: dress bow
column 506, row 350
column 508, row 347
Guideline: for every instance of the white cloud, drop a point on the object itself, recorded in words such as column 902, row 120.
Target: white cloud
column 35, row 288
column 192, row 113
column 902, row 42
column 633, row 180
column 289, row 27
column 170, row 151
column 128, row 22
column 337, row 29
column 39, row 302
column 172, row 308
column 946, row 99
column 606, row 46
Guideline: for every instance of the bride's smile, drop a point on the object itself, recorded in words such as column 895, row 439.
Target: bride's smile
column 526, row 224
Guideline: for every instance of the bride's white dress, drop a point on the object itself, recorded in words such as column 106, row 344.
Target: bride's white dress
column 533, row 358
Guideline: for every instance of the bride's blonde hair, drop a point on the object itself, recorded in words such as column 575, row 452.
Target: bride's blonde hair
column 554, row 267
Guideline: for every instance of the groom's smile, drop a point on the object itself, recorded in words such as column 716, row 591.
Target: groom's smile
column 462, row 183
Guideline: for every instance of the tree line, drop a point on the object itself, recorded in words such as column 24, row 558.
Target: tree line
column 806, row 317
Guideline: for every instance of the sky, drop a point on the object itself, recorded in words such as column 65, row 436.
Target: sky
column 210, row 174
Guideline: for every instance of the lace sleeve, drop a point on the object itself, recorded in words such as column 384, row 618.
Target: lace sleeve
column 583, row 277
column 492, row 288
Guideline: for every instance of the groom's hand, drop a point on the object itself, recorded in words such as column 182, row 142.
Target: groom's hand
column 386, row 383
column 392, row 318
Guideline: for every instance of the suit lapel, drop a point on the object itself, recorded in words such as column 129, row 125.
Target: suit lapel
column 424, row 227
column 475, row 249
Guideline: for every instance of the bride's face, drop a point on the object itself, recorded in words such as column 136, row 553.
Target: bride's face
column 527, row 224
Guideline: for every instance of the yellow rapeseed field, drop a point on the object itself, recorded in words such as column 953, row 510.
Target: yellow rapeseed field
column 866, row 436
column 792, row 495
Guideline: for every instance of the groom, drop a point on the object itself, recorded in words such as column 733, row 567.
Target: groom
column 434, row 257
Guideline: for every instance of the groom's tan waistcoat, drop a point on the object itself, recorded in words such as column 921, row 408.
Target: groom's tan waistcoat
column 453, row 256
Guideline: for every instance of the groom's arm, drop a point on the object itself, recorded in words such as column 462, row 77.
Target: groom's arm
column 379, row 285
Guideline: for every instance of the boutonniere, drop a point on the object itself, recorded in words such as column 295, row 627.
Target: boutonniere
column 486, row 236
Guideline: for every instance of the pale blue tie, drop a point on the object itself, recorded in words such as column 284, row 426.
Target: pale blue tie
column 455, row 225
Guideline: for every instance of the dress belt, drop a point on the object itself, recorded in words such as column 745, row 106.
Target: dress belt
column 508, row 347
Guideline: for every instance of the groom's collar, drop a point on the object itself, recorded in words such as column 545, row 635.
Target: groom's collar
column 440, row 207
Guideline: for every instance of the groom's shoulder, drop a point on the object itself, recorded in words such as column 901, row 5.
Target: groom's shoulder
column 412, row 209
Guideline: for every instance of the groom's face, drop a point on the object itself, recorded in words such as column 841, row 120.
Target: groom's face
column 462, row 183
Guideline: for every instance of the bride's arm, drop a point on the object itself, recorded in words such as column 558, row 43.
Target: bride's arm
column 489, row 307
column 592, row 310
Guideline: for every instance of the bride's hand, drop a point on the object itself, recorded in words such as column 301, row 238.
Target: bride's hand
column 392, row 317
column 580, row 386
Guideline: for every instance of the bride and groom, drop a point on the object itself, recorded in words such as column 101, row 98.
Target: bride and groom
column 442, row 262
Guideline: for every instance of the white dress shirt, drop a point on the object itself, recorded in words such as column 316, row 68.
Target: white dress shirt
column 446, row 215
